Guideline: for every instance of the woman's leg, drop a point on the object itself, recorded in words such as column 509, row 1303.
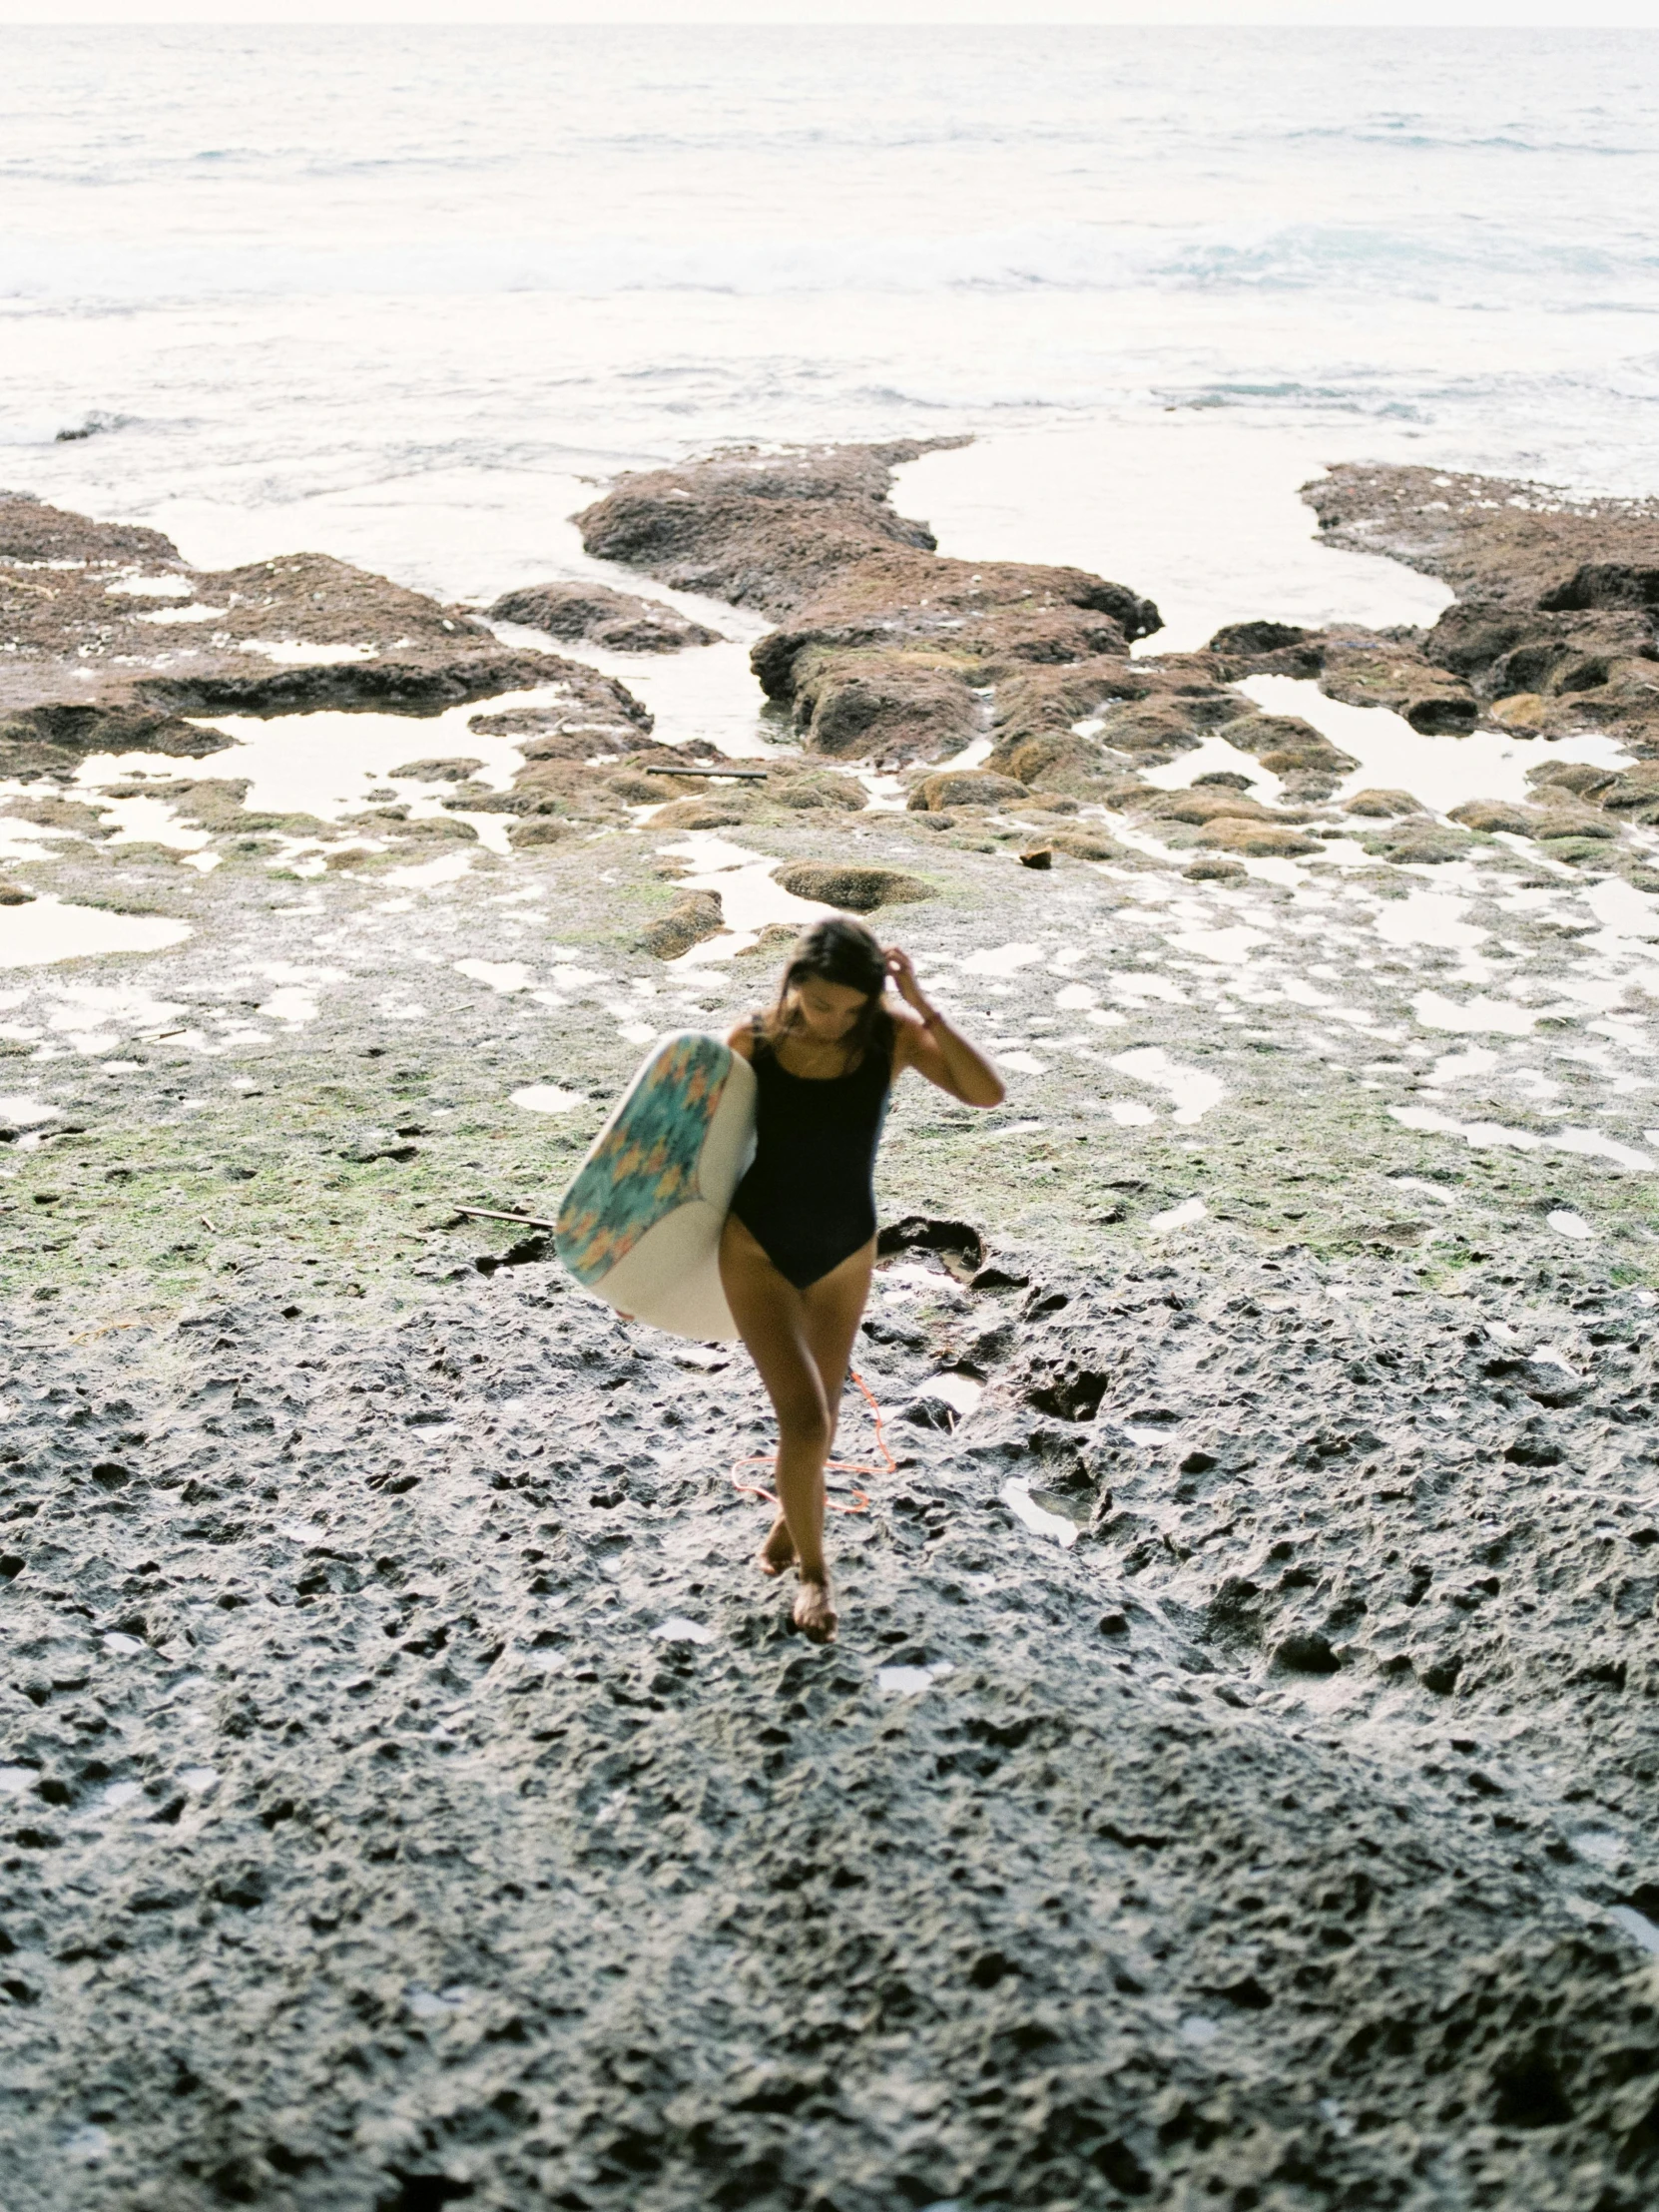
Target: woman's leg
column 832, row 1306
column 797, row 1341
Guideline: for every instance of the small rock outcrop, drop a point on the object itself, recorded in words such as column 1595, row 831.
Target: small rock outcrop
column 1556, row 621
column 600, row 616
column 692, row 917
column 105, row 616
column 858, row 890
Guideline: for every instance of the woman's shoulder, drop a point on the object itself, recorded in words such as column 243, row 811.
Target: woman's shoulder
column 741, row 1036
column 906, row 1029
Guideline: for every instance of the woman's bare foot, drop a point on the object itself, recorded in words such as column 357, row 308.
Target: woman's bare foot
column 779, row 1549
column 815, row 1610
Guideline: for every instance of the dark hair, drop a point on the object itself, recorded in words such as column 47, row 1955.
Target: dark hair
column 838, row 951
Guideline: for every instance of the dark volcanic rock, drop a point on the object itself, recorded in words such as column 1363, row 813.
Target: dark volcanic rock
column 33, row 534
column 616, row 619
column 52, row 739
column 1558, row 596
column 964, row 788
column 894, row 706
column 149, row 631
column 762, row 530
column 811, row 536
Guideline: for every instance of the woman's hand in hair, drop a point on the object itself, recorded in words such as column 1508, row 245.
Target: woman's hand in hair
column 901, row 974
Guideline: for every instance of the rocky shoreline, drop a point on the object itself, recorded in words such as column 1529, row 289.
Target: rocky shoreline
column 1234, row 1786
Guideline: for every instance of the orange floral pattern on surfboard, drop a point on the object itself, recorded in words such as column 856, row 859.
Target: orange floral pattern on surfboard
column 644, row 1164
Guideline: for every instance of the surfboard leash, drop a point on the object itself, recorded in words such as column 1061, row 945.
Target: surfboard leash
column 861, row 1498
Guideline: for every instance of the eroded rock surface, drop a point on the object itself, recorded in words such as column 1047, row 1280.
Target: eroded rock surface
column 618, row 619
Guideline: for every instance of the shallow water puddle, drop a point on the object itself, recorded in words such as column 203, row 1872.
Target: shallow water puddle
column 319, row 764
column 1429, row 917
column 546, row 1098
column 749, row 900
column 1015, row 1494
column 1183, row 1216
column 1439, row 771
column 1588, row 1142
column 1200, row 511
column 1491, row 1016
column 1626, row 910
column 911, row 1681
column 505, row 976
column 1004, row 959
column 1214, row 754
column 701, row 692
column 675, row 1630
column 447, row 868
column 47, row 930
column 1569, row 1224
column 1191, row 1092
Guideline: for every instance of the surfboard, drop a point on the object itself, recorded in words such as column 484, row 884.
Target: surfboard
column 639, row 1224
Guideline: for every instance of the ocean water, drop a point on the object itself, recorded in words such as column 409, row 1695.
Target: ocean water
column 407, row 294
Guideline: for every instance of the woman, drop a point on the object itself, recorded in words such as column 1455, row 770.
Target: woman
column 798, row 1246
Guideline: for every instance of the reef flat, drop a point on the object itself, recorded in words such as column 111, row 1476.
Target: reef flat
column 1234, row 1785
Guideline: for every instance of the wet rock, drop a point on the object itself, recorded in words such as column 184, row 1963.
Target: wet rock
column 589, row 705
column 31, row 532
column 616, row 619
column 694, row 916
column 803, row 789
column 884, row 640
column 1416, row 844
column 1200, row 806
column 1633, row 794
column 1153, row 732
column 390, row 686
column 539, row 829
column 1491, row 815
column 447, row 770
column 964, row 788
column 88, row 638
column 1088, row 845
column 1553, row 621
column 858, row 890
column 378, row 1144
column 1575, row 848
column 1526, row 710
column 1603, row 583
column 773, row 943
column 1255, row 638
column 1567, row 820
column 1290, row 747
column 1257, row 839
column 1382, row 805
column 900, row 707
column 52, row 739
column 711, row 812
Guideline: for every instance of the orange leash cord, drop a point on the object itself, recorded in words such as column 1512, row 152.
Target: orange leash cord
column 860, row 1502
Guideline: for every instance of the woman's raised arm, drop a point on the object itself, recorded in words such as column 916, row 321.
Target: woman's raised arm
column 932, row 1046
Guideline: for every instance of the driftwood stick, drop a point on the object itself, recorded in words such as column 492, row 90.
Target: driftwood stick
column 491, row 1213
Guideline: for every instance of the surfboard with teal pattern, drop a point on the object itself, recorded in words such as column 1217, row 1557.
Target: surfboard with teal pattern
column 639, row 1224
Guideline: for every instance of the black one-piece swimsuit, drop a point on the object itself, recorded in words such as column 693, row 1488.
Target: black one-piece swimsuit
column 808, row 1200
